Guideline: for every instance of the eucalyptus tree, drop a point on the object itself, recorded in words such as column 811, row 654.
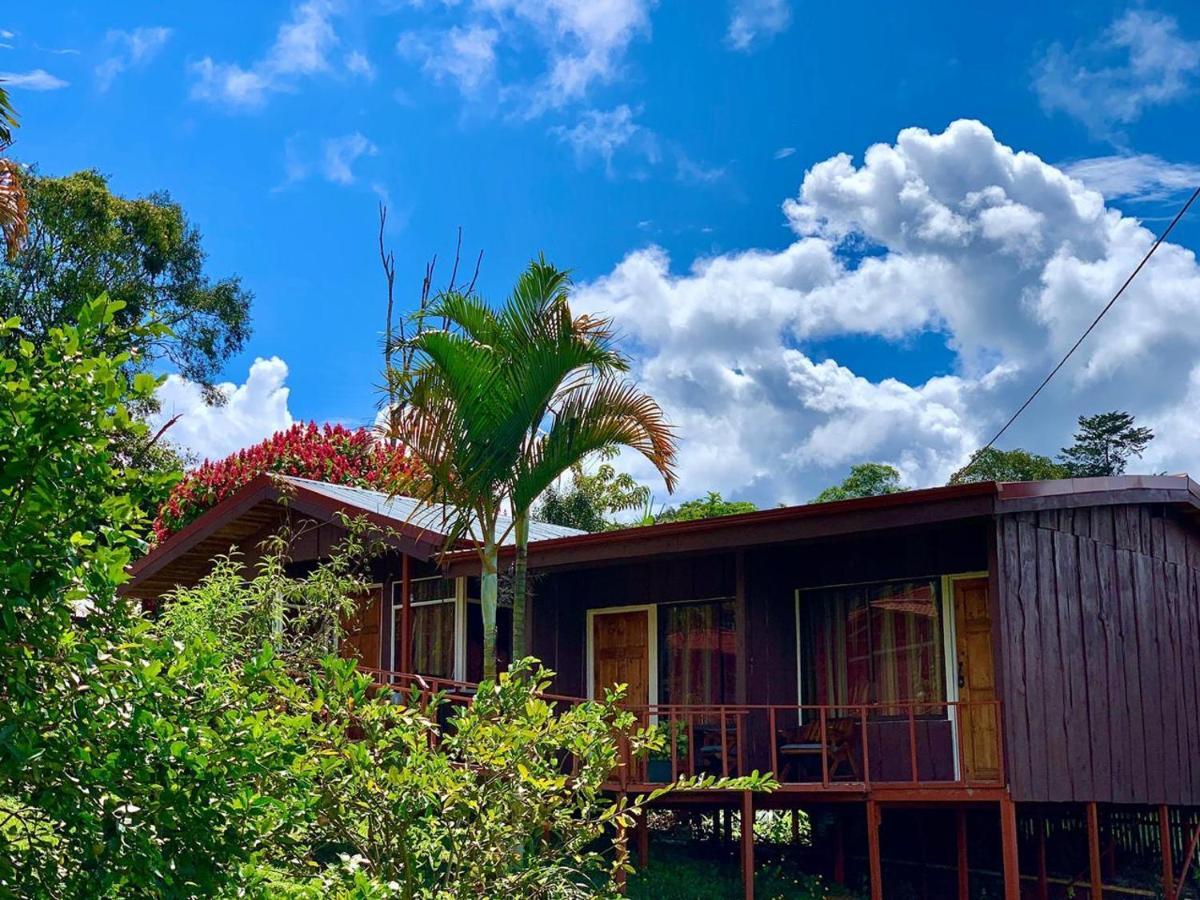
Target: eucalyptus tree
column 497, row 404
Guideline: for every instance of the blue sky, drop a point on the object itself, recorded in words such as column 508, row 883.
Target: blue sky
column 651, row 148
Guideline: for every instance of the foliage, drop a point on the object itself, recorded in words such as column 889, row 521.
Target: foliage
column 497, row 404
column 1104, row 444
column 685, row 873
column 709, row 507
column 331, row 453
column 991, row 464
column 85, row 240
column 864, row 480
column 14, row 208
column 592, row 498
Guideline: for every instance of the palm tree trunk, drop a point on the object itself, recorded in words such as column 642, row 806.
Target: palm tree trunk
column 487, row 603
column 521, row 529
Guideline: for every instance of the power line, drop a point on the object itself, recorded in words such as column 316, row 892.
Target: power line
column 1062, row 362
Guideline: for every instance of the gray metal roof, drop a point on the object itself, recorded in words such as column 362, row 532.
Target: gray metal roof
column 412, row 512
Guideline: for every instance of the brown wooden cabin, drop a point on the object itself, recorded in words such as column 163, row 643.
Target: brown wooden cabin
column 1022, row 658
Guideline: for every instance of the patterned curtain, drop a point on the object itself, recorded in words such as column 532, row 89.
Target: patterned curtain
column 697, row 653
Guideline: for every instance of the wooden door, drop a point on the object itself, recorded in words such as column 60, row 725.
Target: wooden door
column 979, row 730
column 362, row 638
column 621, row 654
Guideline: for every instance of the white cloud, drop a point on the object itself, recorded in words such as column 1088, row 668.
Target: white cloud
column 341, row 154
column 130, row 49
column 753, row 22
column 1000, row 255
column 35, row 80
column 301, row 49
column 466, row 56
column 358, row 64
column 602, row 135
column 252, row 411
column 1137, row 176
column 583, row 42
column 1140, row 61
column 784, row 153
column 332, row 158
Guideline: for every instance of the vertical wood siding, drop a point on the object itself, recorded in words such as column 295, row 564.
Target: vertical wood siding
column 1100, row 629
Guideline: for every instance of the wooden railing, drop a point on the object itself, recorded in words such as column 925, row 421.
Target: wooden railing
column 919, row 743
column 899, row 744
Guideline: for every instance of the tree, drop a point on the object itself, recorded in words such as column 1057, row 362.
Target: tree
column 1103, row 445
column 991, row 464
column 14, row 208
column 591, row 498
column 864, row 480
column 85, row 240
column 498, row 404
column 709, row 507
column 331, row 453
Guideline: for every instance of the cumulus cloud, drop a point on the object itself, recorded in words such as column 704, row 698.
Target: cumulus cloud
column 130, row 49
column 34, row 80
column 466, row 56
column 600, row 135
column 1140, row 61
column 302, row 48
column 252, row 411
column 333, row 158
column 753, row 22
column 953, row 237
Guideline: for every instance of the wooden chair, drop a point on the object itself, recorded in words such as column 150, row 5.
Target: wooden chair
column 798, row 745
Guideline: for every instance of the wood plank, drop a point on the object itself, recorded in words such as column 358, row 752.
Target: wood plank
column 1078, row 736
column 1168, row 674
column 1054, row 674
column 1092, row 613
column 1125, row 689
column 1150, row 683
column 1029, row 739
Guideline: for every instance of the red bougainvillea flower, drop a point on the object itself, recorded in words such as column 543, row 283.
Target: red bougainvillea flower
column 331, row 453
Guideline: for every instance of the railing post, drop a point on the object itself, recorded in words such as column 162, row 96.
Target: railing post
column 737, row 731
column 996, row 712
column 1164, row 839
column 912, row 742
column 821, row 714
column 691, row 745
column 959, row 750
column 866, row 747
column 724, row 747
column 673, row 737
column 774, row 742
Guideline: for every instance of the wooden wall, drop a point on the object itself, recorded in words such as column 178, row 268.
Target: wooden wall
column 1100, row 634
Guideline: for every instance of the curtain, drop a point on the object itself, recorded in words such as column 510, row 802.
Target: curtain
column 697, row 653
column 873, row 644
column 433, row 639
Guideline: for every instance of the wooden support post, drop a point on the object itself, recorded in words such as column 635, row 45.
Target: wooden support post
column 795, row 826
column 748, row 844
column 1043, row 869
column 1095, row 879
column 964, row 873
column 621, row 851
column 1164, row 840
column 839, row 849
column 728, row 826
column 874, row 859
column 643, row 840
column 1008, row 841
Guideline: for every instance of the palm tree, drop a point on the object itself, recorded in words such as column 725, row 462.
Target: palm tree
column 474, row 401
column 14, row 210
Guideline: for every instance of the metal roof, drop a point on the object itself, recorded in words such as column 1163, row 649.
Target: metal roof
column 410, row 511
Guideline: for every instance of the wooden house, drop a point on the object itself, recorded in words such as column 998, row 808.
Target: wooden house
column 1019, row 663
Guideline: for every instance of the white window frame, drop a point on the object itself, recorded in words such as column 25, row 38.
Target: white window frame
column 651, row 611
column 460, row 619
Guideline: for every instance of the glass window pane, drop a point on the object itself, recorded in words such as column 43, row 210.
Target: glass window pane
column 906, row 645
column 423, row 590
column 433, row 639
column 475, row 640
column 697, row 653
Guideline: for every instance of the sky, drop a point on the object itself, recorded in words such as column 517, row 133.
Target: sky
column 826, row 235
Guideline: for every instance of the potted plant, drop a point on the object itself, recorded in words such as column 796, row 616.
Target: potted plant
column 658, row 767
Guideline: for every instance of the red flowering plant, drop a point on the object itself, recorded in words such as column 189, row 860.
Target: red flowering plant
column 330, row 453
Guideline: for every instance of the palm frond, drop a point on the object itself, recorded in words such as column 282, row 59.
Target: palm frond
column 14, row 208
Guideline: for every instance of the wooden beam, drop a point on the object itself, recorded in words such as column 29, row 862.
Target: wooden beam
column 1164, row 840
column 874, row 859
column 1095, row 879
column 748, row 844
column 1008, row 842
column 964, row 874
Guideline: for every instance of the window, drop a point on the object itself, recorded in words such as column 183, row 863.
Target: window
column 475, row 632
column 879, row 643
column 434, row 616
column 697, row 647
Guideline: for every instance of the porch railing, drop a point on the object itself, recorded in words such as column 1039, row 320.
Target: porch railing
column 900, row 744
